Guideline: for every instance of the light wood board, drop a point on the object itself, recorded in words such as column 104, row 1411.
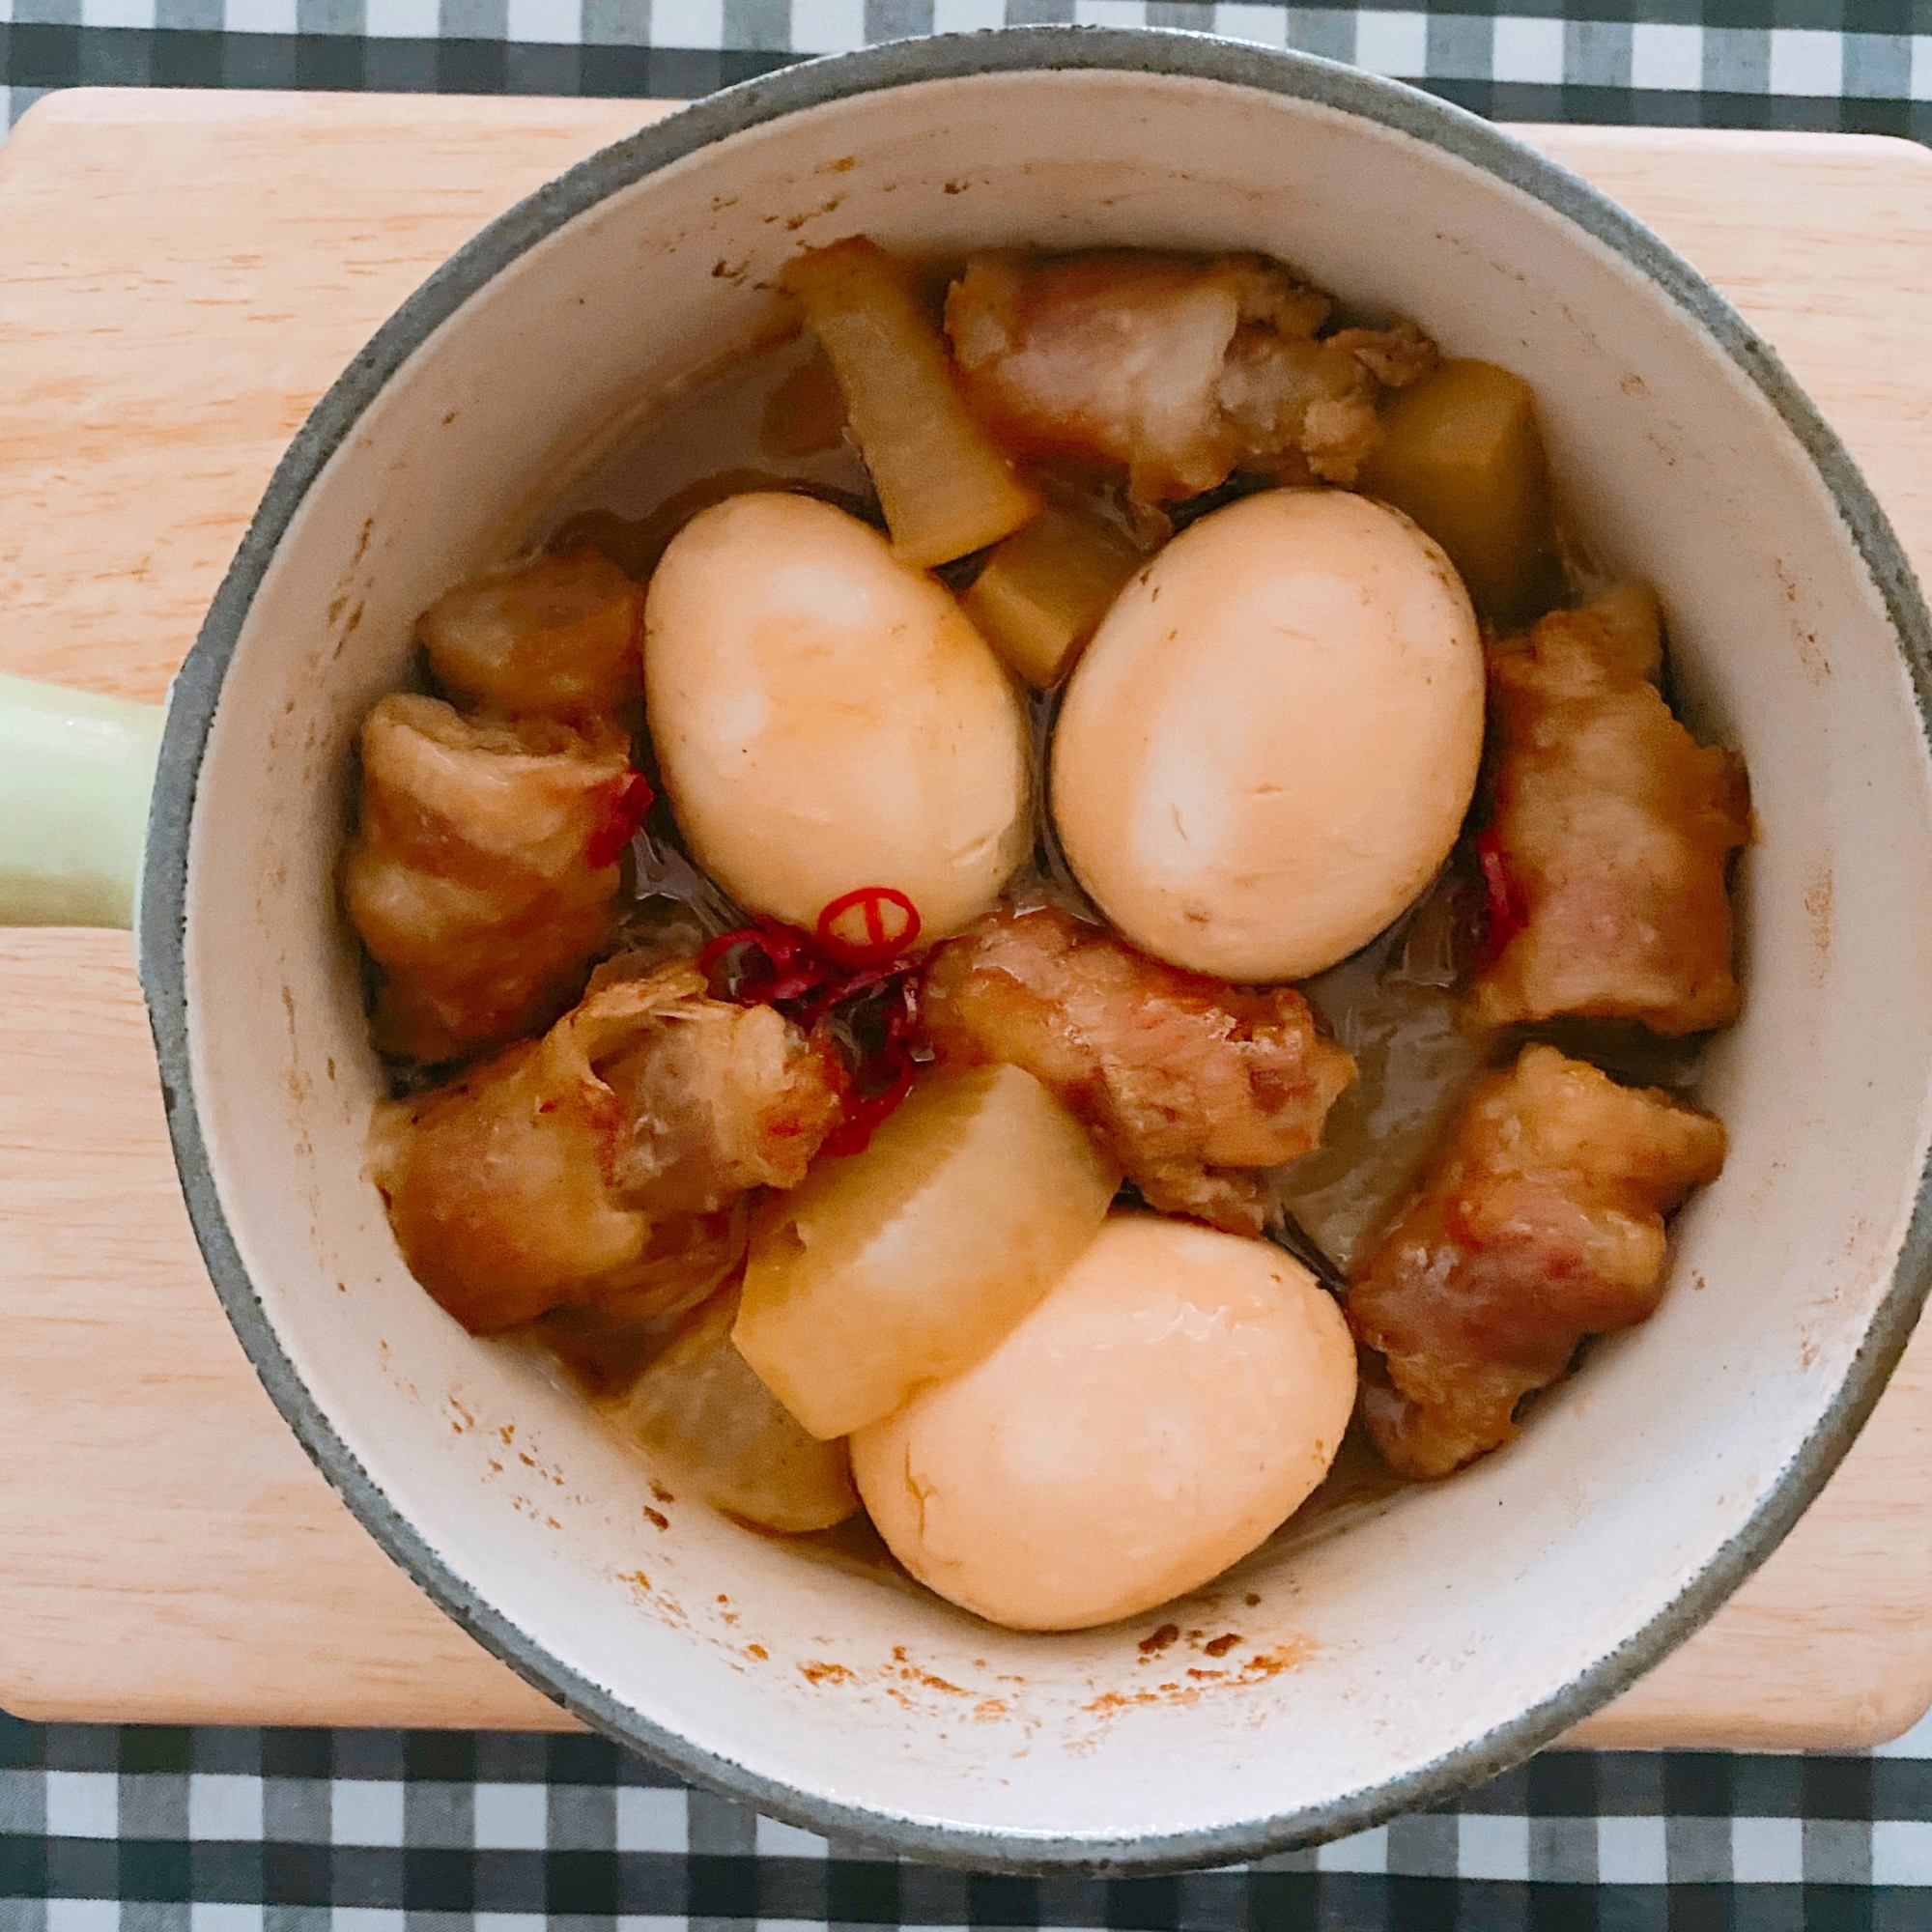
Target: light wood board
column 180, row 276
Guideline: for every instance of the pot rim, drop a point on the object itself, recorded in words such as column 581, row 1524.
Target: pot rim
column 196, row 691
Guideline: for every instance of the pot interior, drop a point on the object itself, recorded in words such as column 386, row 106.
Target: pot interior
column 1374, row 1642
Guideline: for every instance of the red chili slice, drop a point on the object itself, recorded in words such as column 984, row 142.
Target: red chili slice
column 793, row 967
column 844, row 986
column 868, row 926
column 864, row 1117
column 623, row 813
column 714, row 952
column 1503, row 895
column 810, row 978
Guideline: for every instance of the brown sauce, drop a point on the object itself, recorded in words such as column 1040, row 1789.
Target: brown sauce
column 755, row 425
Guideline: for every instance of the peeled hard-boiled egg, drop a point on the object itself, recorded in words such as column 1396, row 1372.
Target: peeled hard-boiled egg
column 1268, row 748
column 826, row 719
column 1172, row 1400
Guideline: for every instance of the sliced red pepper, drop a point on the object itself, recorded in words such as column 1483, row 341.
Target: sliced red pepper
column 623, row 813
column 792, row 967
column 809, row 979
column 864, row 1117
column 847, row 986
column 1508, row 910
column 868, row 926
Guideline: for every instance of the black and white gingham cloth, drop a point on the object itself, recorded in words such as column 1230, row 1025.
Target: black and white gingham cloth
column 135, row 1830
column 1861, row 65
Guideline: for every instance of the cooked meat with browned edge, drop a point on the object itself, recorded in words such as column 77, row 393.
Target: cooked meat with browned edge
column 606, row 1162
column 1612, row 830
column 1189, row 1083
column 555, row 636
column 1182, row 368
column 470, row 877
column 1540, row 1221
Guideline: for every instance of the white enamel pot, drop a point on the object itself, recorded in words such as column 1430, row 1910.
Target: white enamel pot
column 1401, row 1654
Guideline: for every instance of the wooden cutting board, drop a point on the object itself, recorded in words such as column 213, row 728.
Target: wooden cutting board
column 180, row 276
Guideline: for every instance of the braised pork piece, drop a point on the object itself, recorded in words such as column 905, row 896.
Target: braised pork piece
column 556, row 636
column 484, row 868
column 1613, row 830
column 1540, row 1221
column 478, row 877
column 1179, row 368
column 605, row 1163
column 1192, row 1085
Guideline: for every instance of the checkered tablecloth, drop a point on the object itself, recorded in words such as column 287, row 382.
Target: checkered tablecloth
column 243, row 1831
column 1858, row 65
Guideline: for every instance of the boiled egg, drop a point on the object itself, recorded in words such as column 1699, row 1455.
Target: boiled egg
column 826, row 719
column 1269, row 746
column 1170, row 1401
